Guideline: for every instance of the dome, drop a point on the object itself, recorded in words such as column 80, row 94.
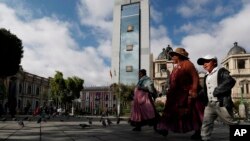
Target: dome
column 162, row 55
column 236, row 50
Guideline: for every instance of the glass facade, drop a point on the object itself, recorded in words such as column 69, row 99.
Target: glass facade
column 130, row 35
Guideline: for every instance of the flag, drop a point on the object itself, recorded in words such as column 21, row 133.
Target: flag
column 110, row 73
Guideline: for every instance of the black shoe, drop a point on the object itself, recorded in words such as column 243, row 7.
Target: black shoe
column 136, row 129
column 196, row 135
column 163, row 132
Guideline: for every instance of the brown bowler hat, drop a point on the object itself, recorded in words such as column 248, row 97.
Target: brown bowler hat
column 179, row 52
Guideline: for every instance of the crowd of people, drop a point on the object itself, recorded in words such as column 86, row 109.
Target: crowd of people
column 189, row 106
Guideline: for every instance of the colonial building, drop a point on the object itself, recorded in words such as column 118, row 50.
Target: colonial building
column 27, row 90
column 96, row 100
column 162, row 67
column 237, row 62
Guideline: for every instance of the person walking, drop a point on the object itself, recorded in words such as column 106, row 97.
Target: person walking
column 217, row 90
column 143, row 110
column 183, row 110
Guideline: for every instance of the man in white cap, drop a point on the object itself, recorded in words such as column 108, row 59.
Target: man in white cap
column 217, row 92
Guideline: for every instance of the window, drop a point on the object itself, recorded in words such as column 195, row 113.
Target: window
column 241, row 64
column 20, row 88
column 129, row 68
column 114, row 98
column 130, row 28
column 129, row 47
column 247, row 88
column 37, row 91
column 29, row 89
column 163, row 67
column 226, row 66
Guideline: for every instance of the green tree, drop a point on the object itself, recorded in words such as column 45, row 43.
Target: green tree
column 125, row 94
column 58, row 88
column 74, row 86
column 63, row 91
column 11, row 52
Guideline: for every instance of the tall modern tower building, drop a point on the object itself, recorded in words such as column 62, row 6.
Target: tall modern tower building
column 130, row 42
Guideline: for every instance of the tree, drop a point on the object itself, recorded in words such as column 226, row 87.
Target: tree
column 58, row 87
column 63, row 91
column 125, row 94
column 11, row 52
column 74, row 86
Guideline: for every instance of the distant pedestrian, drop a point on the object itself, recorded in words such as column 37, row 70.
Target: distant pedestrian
column 217, row 91
column 109, row 121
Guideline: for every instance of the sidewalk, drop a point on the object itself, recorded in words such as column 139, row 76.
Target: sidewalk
column 69, row 130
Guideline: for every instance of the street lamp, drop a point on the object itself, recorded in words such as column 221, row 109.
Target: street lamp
column 242, row 109
column 72, row 109
column 119, row 102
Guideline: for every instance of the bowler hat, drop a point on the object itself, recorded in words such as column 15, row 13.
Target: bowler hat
column 180, row 52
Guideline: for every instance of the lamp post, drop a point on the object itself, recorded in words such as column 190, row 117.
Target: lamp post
column 72, row 109
column 242, row 109
column 119, row 102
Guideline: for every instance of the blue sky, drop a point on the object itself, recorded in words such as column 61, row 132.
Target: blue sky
column 75, row 36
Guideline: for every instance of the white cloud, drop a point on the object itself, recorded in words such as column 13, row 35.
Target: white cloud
column 220, row 40
column 192, row 8
column 195, row 27
column 49, row 47
column 159, row 40
column 204, row 37
column 97, row 14
column 155, row 15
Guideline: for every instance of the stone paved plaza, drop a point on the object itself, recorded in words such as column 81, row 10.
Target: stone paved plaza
column 68, row 129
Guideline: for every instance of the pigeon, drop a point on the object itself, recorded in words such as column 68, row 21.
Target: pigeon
column 118, row 120
column 48, row 118
column 84, row 125
column 109, row 121
column 101, row 119
column 21, row 123
column 90, row 120
column 25, row 118
column 104, row 124
column 39, row 120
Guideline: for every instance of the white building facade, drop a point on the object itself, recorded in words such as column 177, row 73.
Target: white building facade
column 237, row 62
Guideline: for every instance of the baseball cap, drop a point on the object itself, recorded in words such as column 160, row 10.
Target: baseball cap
column 201, row 60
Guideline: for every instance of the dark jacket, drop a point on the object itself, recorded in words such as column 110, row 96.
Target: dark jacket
column 223, row 91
